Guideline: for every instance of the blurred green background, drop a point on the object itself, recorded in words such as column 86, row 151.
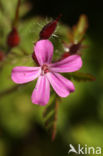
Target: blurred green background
column 80, row 116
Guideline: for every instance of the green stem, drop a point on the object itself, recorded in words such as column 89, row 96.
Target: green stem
column 55, row 119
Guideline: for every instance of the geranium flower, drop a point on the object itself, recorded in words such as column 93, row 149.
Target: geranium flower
column 47, row 73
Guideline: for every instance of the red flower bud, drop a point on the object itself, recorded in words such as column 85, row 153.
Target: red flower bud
column 74, row 48
column 1, row 56
column 34, row 58
column 49, row 28
column 66, row 54
column 13, row 38
column 71, row 50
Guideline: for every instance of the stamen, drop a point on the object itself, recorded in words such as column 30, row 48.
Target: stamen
column 45, row 69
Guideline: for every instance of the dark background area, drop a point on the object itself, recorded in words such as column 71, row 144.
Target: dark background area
column 71, row 10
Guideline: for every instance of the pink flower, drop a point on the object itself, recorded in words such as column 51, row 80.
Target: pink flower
column 47, row 73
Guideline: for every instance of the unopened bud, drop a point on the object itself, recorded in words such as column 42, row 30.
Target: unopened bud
column 49, row 29
column 75, row 48
column 35, row 58
column 65, row 55
column 2, row 56
column 13, row 38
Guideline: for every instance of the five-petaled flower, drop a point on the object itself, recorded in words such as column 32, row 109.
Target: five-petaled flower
column 47, row 73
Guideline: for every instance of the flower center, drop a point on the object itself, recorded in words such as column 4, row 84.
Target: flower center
column 44, row 69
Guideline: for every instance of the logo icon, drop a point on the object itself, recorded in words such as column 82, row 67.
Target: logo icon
column 84, row 149
column 72, row 149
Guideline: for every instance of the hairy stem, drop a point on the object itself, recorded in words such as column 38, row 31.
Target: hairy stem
column 55, row 119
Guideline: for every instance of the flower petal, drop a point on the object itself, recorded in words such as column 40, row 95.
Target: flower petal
column 69, row 64
column 61, row 85
column 41, row 92
column 43, row 51
column 23, row 74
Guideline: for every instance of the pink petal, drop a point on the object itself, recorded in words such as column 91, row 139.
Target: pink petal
column 22, row 74
column 69, row 64
column 43, row 51
column 61, row 85
column 41, row 92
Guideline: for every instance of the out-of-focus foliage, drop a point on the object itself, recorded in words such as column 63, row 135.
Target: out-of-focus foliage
column 78, row 76
column 80, row 116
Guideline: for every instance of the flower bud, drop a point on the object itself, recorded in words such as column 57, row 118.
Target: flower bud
column 75, row 48
column 71, row 49
column 34, row 58
column 13, row 38
column 49, row 28
column 65, row 55
column 1, row 56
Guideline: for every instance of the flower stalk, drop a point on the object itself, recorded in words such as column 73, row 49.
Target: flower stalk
column 55, row 119
column 13, row 38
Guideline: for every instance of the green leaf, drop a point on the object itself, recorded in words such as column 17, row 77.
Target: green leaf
column 80, row 29
column 50, row 116
column 49, row 107
column 24, row 9
column 79, row 76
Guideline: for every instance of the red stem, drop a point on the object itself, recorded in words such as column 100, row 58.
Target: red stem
column 16, row 14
